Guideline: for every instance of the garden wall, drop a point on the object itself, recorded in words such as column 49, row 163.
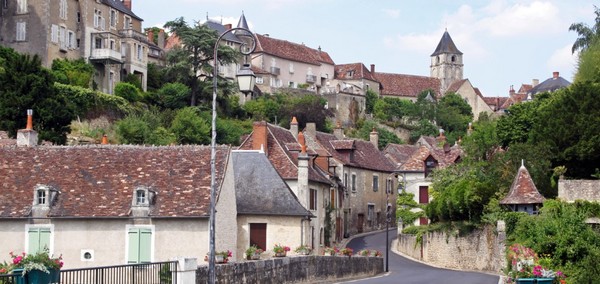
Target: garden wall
column 481, row 250
column 571, row 190
column 300, row 269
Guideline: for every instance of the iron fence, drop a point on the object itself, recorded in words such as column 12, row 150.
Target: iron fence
column 145, row 273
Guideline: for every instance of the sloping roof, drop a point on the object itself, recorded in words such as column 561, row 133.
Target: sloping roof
column 523, row 190
column 456, row 85
column 220, row 28
column 282, row 154
column 5, row 140
column 292, row 51
column 446, row 45
column 444, row 158
column 365, row 155
column 416, row 162
column 118, row 5
column 399, row 153
column 259, row 189
column 360, row 72
column 550, row 85
column 99, row 181
column 403, row 85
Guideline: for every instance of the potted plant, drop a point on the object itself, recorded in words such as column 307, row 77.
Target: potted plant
column 220, row 256
column 253, row 252
column 330, row 251
column 347, row 252
column 280, row 250
column 36, row 268
column 376, row 253
column 303, row 250
column 523, row 266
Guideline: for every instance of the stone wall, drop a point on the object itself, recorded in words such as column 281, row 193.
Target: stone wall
column 571, row 190
column 301, row 269
column 481, row 250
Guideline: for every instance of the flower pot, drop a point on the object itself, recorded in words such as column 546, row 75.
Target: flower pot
column 304, row 252
column 329, row 253
column 19, row 278
column 534, row 280
column 280, row 254
column 54, row 276
column 219, row 258
column 37, row 277
column 255, row 256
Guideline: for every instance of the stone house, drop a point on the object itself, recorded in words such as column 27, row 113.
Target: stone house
column 105, row 33
column 523, row 195
column 310, row 184
column 415, row 163
column 365, row 178
column 103, row 205
column 283, row 64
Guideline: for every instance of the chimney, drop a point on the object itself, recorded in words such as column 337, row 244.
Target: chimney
column 372, row 68
column 555, row 75
column 150, row 35
column 511, row 91
column 227, row 27
column 442, row 138
column 161, row 38
column 311, row 129
column 294, row 128
column 259, row 136
column 104, row 140
column 374, row 138
column 338, row 131
column 470, row 128
column 27, row 137
column 302, row 191
column 127, row 4
column 535, row 82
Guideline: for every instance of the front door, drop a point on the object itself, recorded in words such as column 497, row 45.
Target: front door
column 258, row 235
column 359, row 224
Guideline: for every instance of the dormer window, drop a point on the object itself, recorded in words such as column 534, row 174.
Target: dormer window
column 143, row 196
column 42, row 196
column 140, row 197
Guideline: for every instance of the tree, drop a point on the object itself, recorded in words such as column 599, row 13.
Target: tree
column 133, row 130
column 588, row 64
column 73, row 72
column 25, row 84
column 193, row 59
column 370, row 99
column 454, row 115
column 586, row 35
column 172, row 96
column 190, row 128
column 127, row 91
column 306, row 108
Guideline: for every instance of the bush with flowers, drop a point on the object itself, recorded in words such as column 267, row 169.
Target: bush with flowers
column 41, row 261
column 280, row 249
column 331, row 250
column 224, row 254
column 303, row 250
column 346, row 251
column 523, row 262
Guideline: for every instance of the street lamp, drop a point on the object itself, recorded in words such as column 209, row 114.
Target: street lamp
column 388, row 191
column 246, row 77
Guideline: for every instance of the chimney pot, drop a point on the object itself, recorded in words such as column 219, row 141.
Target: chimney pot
column 372, row 68
column 150, row 35
column 29, row 119
column 535, row 82
column 127, row 4
column 555, row 74
column 104, row 139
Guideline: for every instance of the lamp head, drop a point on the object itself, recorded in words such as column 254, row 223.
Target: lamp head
column 246, row 79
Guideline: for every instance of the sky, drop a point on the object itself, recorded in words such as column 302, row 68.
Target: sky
column 504, row 42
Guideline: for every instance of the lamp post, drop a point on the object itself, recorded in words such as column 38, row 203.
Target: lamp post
column 388, row 191
column 244, row 76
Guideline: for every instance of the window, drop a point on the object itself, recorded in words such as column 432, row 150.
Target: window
column 291, row 68
column 370, row 212
column 291, row 84
column 54, row 33
column 63, row 38
column 258, row 235
column 259, row 80
column 21, row 6
column 78, row 17
column 21, row 31
column 139, row 245
column 346, row 179
column 38, row 239
column 99, row 22
column 430, row 165
column 313, row 199
column 350, row 74
column 375, row 183
column 353, row 182
column 113, row 45
column 113, row 18
column 98, row 43
column 389, row 184
column 5, row 4
column 139, row 52
column 453, row 58
column 71, row 40
column 332, row 199
column 127, row 23
column 140, row 197
column 62, row 9
column 42, row 197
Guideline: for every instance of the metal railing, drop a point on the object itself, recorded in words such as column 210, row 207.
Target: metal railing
column 145, row 273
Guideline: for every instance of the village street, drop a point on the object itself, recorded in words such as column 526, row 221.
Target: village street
column 405, row 271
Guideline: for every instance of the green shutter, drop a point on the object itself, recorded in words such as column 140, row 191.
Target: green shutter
column 39, row 239
column 145, row 245
column 140, row 241
column 134, row 239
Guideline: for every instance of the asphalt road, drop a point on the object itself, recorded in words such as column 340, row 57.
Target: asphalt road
column 405, row 271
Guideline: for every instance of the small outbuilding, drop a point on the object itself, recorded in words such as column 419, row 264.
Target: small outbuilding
column 523, row 195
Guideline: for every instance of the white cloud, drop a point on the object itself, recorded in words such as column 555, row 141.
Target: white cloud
column 563, row 61
column 392, row 13
column 522, row 19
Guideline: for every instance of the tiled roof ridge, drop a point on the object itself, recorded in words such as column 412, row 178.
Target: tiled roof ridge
column 314, row 54
column 408, row 75
column 287, row 153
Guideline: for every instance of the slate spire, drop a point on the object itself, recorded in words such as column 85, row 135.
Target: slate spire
column 446, row 45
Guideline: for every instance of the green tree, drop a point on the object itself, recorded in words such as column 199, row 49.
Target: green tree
column 263, row 108
column 25, row 84
column 172, row 96
column 370, row 99
column 306, row 108
column 73, row 72
column 588, row 65
column 586, row 35
column 190, row 128
column 127, row 91
column 193, row 59
column 133, row 130
column 454, row 115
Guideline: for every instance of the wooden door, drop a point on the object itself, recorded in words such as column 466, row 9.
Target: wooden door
column 423, row 194
column 359, row 224
column 258, row 235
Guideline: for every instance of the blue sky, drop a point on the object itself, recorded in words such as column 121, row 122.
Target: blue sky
column 504, row 42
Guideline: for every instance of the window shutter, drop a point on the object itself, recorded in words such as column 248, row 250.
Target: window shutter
column 54, row 33
column 39, row 239
column 140, row 245
column 134, row 250
column 145, row 245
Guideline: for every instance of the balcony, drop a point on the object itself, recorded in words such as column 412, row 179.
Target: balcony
column 130, row 33
column 106, row 54
column 311, row 78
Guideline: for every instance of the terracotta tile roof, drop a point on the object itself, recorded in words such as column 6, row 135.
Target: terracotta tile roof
column 525, row 88
column 5, row 140
column 360, row 71
column 172, row 41
column 364, row 154
column 99, row 181
column 523, row 190
column 456, row 85
column 283, row 155
column 416, row 162
column 399, row 153
column 291, row 51
column 402, row 85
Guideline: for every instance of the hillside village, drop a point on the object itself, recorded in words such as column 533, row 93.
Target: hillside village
column 101, row 204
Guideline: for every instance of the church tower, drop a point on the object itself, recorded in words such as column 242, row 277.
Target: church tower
column 446, row 63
